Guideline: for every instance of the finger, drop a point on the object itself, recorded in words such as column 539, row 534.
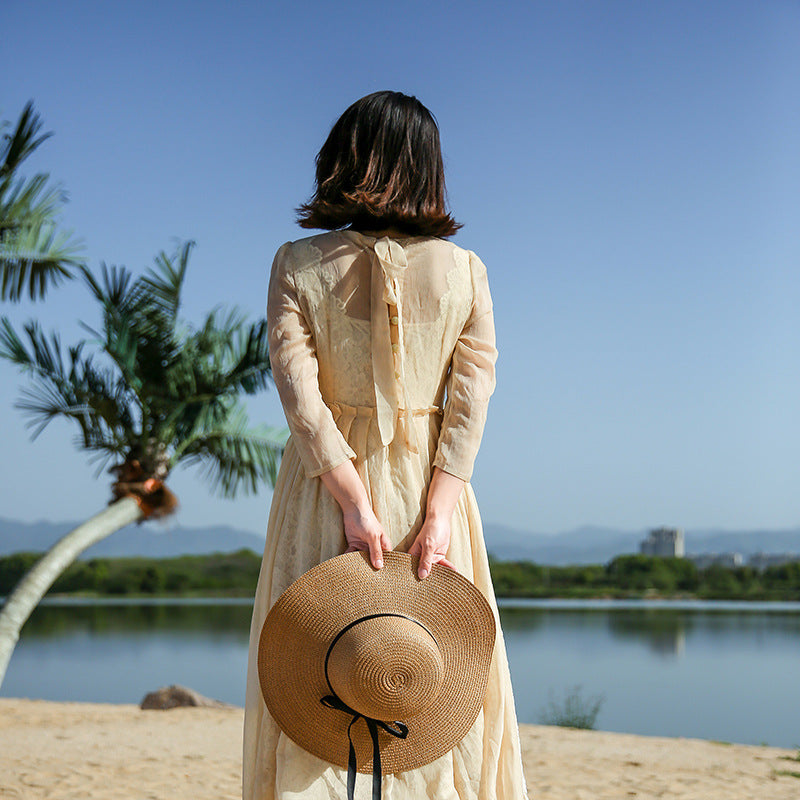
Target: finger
column 425, row 562
column 385, row 543
column 375, row 553
column 445, row 563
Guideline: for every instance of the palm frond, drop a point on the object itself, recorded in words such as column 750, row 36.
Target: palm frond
column 44, row 360
column 136, row 334
column 251, row 370
column 45, row 403
column 224, row 358
column 113, row 290
column 38, row 257
column 96, row 399
column 217, row 334
column 34, row 253
column 163, row 283
column 28, row 202
column 234, row 455
column 100, row 438
column 17, row 146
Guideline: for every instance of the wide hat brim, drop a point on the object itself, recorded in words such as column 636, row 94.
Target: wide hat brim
column 307, row 618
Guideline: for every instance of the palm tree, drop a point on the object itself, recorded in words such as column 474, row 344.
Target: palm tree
column 33, row 251
column 169, row 393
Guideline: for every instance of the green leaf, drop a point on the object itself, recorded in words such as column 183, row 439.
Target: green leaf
column 36, row 257
column 17, row 146
column 34, row 253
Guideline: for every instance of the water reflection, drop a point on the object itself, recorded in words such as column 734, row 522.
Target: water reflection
column 715, row 671
column 708, row 670
column 661, row 629
column 664, row 632
column 520, row 619
column 209, row 618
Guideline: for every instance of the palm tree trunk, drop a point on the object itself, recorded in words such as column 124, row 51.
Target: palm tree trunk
column 34, row 585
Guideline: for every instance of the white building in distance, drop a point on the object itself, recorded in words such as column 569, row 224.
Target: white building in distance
column 663, row 542
column 761, row 561
column 729, row 560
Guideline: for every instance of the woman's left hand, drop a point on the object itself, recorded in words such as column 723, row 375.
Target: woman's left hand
column 431, row 545
column 433, row 538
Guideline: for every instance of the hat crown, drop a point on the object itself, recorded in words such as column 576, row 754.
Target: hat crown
column 386, row 667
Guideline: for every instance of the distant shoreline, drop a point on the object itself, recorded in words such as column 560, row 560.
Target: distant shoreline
column 510, row 603
column 235, row 575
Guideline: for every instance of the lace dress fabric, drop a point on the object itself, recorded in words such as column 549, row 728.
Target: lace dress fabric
column 383, row 352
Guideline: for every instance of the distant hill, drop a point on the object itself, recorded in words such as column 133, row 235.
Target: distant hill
column 150, row 539
column 585, row 545
column 596, row 545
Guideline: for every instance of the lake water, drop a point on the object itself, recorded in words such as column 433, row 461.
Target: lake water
column 724, row 671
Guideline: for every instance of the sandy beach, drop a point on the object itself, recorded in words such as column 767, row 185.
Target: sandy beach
column 97, row 751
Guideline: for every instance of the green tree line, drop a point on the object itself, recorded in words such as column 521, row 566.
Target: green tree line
column 235, row 575
column 632, row 576
column 224, row 574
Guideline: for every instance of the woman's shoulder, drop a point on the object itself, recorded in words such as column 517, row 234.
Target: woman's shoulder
column 311, row 251
column 461, row 254
column 302, row 253
column 465, row 259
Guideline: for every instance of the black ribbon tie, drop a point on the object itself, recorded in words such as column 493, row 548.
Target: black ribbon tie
column 400, row 730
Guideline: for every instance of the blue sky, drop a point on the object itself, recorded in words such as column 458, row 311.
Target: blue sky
column 628, row 171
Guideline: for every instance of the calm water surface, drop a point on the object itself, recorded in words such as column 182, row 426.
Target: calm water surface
column 725, row 671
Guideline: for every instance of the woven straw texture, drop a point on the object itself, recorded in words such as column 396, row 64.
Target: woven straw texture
column 307, row 618
column 386, row 668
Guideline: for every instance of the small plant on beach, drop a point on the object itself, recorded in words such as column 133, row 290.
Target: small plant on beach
column 787, row 773
column 574, row 711
column 164, row 393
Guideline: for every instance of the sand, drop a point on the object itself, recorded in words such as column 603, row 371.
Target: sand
column 96, row 751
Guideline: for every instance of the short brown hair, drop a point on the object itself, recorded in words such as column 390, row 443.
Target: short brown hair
column 381, row 167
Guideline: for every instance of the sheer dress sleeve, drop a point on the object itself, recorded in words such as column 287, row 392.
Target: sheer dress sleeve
column 292, row 354
column 470, row 383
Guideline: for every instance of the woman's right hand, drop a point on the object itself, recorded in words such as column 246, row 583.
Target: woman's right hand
column 363, row 531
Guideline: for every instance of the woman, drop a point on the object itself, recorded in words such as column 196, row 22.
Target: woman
column 382, row 349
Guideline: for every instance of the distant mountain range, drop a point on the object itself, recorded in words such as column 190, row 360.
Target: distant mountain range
column 586, row 545
column 149, row 539
column 597, row 545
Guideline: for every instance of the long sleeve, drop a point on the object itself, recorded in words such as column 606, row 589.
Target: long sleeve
column 470, row 383
column 292, row 354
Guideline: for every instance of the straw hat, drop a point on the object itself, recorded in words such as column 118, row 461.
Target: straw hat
column 399, row 664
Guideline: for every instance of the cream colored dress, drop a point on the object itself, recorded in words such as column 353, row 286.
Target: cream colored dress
column 383, row 352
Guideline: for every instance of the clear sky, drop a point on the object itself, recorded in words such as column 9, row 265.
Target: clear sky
column 628, row 171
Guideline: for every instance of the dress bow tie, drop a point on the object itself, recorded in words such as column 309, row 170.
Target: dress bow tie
column 389, row 265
